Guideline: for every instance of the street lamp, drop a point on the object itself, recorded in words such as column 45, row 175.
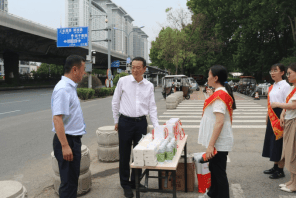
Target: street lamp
column 128, row 35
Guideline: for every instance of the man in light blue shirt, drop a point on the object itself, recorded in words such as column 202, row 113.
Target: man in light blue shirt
column 68, row 125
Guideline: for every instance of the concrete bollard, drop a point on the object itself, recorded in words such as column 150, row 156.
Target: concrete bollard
column 84, row 180
column 108, row 144
column 12, row 189
column 171, row 102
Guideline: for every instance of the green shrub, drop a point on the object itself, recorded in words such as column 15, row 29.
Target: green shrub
column 117, row 77
column 101, row 92
column 85, row 93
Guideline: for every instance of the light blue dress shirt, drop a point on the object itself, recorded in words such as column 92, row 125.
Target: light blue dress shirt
column 65, row 102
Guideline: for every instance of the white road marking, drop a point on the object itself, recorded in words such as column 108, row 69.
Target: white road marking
column 14, row 102
column 233, row 126
column 237, row 191
column 9, row 112
column 237, row 107
column 228, row 159
column 200, row 116
column 234, row 121
column 199, row 112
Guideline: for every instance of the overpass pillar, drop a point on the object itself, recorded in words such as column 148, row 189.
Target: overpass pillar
column 11, row 67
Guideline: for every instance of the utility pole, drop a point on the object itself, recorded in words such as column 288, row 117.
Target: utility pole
column 89, row 57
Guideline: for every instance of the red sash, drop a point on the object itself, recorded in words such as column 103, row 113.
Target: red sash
column 290, row 96
column 274, row 120
column 222, row 95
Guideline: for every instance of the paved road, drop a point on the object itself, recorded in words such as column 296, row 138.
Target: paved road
column 26, row 144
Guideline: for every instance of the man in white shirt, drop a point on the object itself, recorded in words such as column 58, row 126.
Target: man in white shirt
column 68, row 125
column 133, row 99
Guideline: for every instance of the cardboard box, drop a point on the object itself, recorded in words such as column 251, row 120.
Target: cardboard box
column 180, row 178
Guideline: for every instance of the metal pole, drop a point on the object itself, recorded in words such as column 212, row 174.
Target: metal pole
column 90, row 45
column 109, row 41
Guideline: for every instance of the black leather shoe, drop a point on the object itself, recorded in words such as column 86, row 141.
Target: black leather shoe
column 277, row 175
column 128, row 192
column 270, row 171
column 140, row 187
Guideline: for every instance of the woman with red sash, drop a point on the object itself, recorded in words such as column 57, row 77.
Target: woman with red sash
column 273, row 142
column 215, row 130
column 288, row 122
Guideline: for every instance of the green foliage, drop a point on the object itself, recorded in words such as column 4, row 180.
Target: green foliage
column 287, row 61
column 117, row 77
column 256, row 33
column 96, row 83
column 85, row 93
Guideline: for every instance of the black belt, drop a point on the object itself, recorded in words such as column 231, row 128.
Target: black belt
column 135, row 119
column 79, row 136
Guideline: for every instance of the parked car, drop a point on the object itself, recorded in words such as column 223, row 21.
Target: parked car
column 194, row 84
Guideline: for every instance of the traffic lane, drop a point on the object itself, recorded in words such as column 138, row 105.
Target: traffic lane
column 22, row 102
column 28, row 137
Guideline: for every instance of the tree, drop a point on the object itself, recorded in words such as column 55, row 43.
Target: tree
column 255, row 33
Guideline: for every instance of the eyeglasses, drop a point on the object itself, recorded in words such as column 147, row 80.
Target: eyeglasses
column 273, row 71
column 288, row 74
column 136, row 68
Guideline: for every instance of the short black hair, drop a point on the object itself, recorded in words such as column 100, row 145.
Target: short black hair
column 140, row 59
column 72, row 60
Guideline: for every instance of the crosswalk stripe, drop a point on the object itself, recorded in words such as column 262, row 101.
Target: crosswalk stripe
column 234, row 121
column 201, row 116
column 237, row 107
column 233, row 126
column 237, row 191
column 199, row 112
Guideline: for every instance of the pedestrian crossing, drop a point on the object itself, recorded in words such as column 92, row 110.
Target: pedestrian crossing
column 248, row 115
column 237, row 192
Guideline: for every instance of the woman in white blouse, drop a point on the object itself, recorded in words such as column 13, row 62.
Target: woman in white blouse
column 273, row 142
column 288, row 121
column 216, row 131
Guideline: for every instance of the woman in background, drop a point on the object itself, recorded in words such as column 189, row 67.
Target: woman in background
column 273, row 142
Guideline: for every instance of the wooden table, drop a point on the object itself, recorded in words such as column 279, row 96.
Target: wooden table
column 168, row 167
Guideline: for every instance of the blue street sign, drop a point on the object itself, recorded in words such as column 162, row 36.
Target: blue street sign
column 128, row 60
column 115, row 63
column 72, row 37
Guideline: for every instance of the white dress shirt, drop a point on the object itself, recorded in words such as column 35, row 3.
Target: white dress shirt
column 279, row 92
column 134, row 99
column 66, row 103
column 291, row 114
column 225, row 139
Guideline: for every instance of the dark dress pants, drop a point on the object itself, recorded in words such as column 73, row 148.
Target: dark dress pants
column 130, row 131
column 69, row 170
column 219, row 182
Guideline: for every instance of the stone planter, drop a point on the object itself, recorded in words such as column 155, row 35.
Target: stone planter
column 108, row 144
column 171, row 102
column 12, row 189
column 84, row 180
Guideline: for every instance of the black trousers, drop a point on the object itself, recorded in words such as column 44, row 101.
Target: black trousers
column 69, row 170
column 219, row 182
column 129, row 132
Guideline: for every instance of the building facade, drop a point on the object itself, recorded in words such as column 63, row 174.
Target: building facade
column 4, row 5
column 122, row 34
column 140, row 43
column 77, row 15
